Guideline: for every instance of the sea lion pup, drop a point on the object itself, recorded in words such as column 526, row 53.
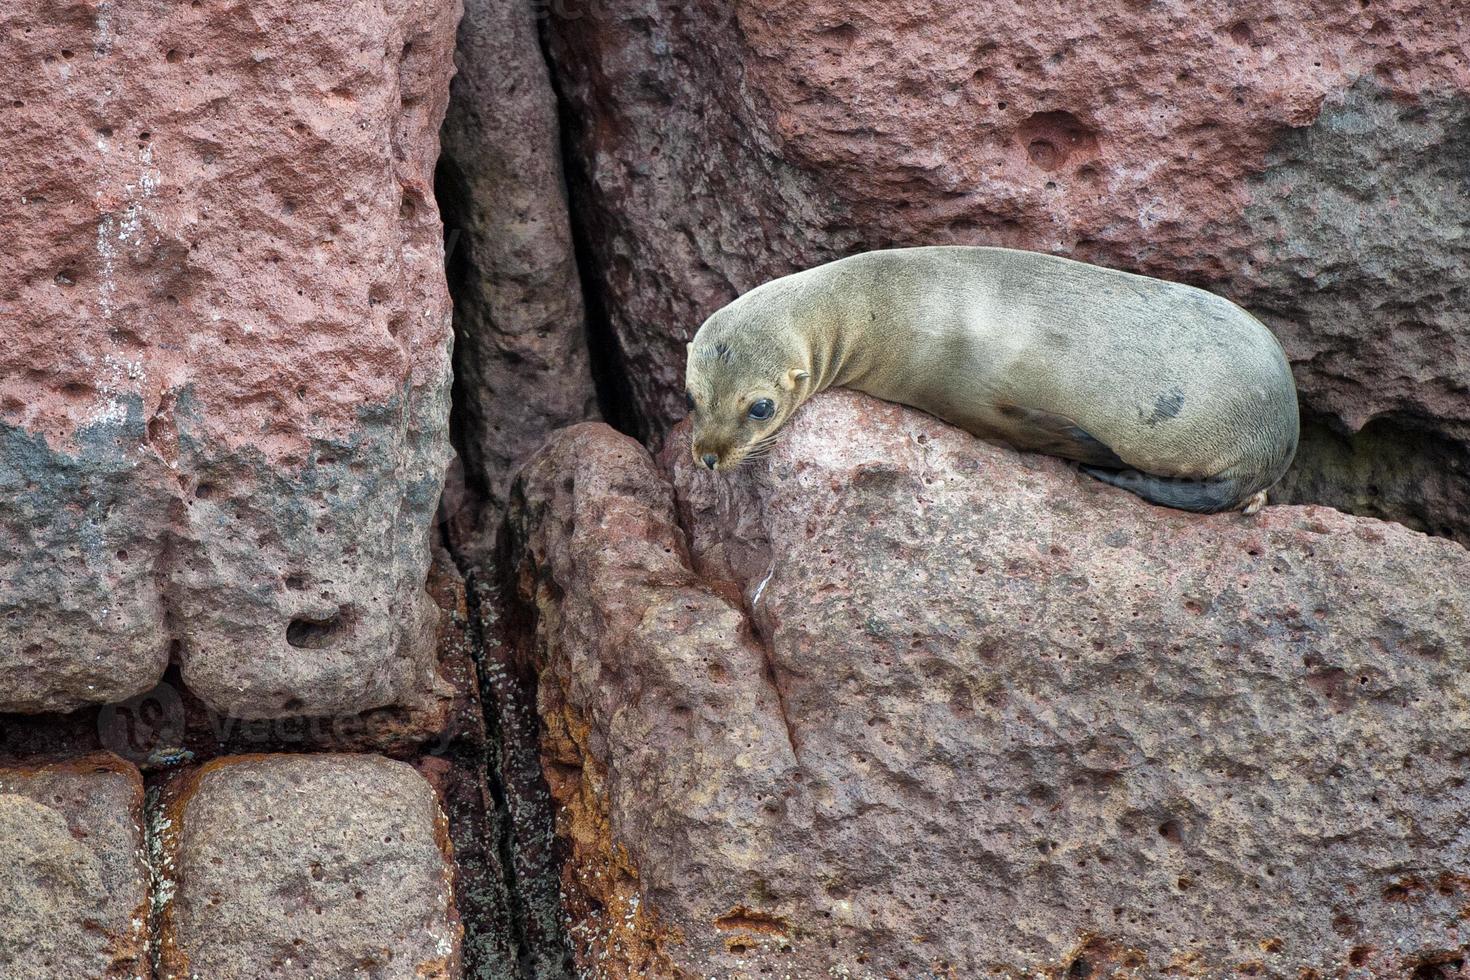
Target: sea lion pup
column 1171, row 392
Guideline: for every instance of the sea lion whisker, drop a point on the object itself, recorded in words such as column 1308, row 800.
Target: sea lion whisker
column 766, row 443
column 761, row 449
column 751, row 457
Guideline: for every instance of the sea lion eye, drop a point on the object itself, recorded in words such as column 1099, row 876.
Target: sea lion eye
column 689, row 401
column 762, row 409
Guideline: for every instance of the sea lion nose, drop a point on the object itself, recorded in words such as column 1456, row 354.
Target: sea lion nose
column 710, row 459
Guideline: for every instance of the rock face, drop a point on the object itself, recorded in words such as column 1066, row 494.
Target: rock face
column 909, row 704
column 224, row 351
column 307, row 866
column 73, row 885
column 1303, row 158
column 521, row 362
column 613, row 618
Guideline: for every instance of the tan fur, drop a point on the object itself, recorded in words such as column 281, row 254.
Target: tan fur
column 1117, row 370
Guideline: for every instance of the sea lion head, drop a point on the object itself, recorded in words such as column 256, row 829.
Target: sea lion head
column 743, row 380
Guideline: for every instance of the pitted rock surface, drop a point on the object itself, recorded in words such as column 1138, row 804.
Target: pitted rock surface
column 224, row 351
column 1302, row 158
column 909, row 703
column 73, row 882
column 307, row 866
column 521, row 357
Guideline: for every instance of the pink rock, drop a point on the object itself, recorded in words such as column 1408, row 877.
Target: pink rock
column 1301, row 158
column 224, row 352
column 908, row 702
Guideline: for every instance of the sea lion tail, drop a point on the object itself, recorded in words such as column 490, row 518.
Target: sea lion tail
column 1207, row 496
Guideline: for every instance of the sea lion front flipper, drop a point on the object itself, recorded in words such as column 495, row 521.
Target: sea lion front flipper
column 1058, row 435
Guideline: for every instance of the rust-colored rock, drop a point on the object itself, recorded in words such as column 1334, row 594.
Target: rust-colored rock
column 224, row 351
column 73, row 882
column 1302, row 157
column 909, row 703
column 305, row 866
column 621, row 620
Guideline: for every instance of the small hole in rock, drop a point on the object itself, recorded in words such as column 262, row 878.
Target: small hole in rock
column 313, row 634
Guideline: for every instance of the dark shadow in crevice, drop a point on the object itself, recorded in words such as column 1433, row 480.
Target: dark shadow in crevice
column 451, row 192
column 615, row 399
column 536, row 930
column 1396, row 468
column 523, row 814
column 532, row 852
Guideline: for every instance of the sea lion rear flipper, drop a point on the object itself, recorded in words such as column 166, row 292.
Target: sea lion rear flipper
column 1058, row 435
column 1207, row 496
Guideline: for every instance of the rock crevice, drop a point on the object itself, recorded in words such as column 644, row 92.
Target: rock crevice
column 522, row 354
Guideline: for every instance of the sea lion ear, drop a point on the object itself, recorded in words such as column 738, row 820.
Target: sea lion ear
column 795, row 375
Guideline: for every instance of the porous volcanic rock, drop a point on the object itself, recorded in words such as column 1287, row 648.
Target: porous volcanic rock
column 521, row 356
column 902, row 702
column 73, row 882
column 306, row 866
column 224, row 351
column 1304, row 158
column 644, row 668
